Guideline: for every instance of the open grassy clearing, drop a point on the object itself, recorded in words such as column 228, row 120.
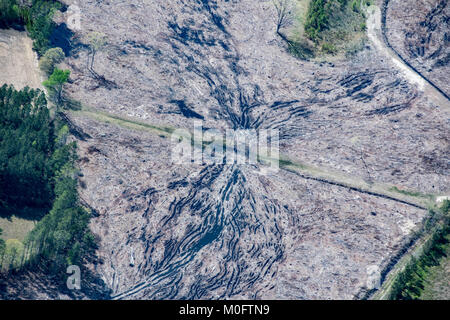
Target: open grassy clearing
column 14, row 232
column 15, row 228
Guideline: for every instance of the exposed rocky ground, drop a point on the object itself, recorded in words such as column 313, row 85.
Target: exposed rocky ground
column 228, row 231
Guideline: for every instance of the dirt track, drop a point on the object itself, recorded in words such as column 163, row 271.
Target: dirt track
column 376, row 25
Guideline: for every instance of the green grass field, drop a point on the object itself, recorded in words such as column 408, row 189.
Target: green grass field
column 15, row 228
column 14, row 232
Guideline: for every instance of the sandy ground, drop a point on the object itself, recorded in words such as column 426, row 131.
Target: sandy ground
column 18, row 62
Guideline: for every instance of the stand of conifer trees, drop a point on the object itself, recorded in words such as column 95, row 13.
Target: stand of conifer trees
column 409, row 284
column 38, row 169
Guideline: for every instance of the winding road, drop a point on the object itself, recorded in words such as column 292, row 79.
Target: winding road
column 376, row 30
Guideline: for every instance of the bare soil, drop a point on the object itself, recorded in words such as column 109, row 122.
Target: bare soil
column 18, row 61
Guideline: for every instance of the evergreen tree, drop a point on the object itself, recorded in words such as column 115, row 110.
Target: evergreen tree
column 26, row 142
column 55, row 84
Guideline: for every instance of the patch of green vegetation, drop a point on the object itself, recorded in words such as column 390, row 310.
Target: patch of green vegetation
column 410, row 283
column 285, row 163
column 26, row 144
column 2, row 248
column 37, row 169
column 437, row 282
column 37, row 166
column 37, row 16
column 49, row 60
column 15, row 227
column 319, row 13
column 336, row 25
column 12, row 248
column 363, row 26
column 12, row 255
column 62, row 237
column 410, row 193
column 328, row 48
column 445, row 206
column 129, row 123
column 301, row 49
column 10, row 14
column 55, row 83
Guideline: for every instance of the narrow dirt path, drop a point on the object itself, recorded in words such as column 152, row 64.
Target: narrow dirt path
column 376, row 31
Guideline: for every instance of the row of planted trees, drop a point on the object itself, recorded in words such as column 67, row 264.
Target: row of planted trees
column 410, row 282
column 37, row 166
column 38, row 169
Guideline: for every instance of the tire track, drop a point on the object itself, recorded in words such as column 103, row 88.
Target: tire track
column 384, row 9
column 226, row 219
column 216, row 210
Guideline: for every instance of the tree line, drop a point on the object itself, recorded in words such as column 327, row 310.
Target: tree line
column 35, row 15
column 62, row 237
column 410, row 282
column 26, row 147
column 37, row 165
column 38, row 169
column 320, row 12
